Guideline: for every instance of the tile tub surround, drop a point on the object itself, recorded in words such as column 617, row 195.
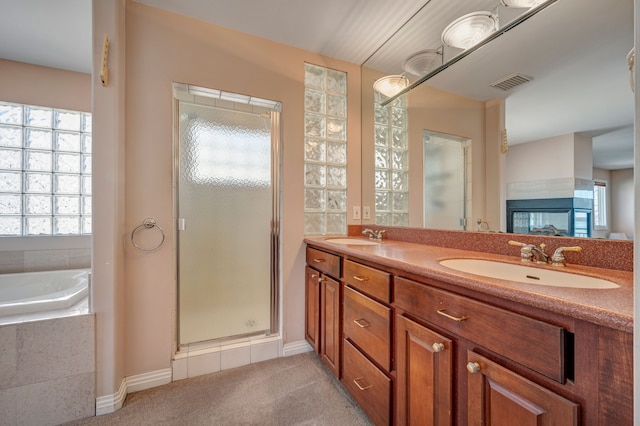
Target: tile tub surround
column 16, row 261
column 607, row 254
column 47, row 371
column 610, row 308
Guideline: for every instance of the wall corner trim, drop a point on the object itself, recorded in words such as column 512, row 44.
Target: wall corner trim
column 108, row 404
column 295, row 348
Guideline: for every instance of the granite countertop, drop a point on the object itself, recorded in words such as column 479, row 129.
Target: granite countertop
column 607, row 307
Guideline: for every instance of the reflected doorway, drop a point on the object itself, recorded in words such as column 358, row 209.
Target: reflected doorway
column 446, row 160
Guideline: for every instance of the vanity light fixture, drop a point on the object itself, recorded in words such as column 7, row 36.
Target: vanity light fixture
column 420, row 63
column 468, row 30
column 390, row 85
column 521, row 3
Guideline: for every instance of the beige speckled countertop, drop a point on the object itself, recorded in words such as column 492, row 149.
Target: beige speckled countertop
column 607, row 307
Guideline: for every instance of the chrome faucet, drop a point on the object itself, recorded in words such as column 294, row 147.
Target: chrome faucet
column 529, row 252
column 558, row 258
column 373, row 235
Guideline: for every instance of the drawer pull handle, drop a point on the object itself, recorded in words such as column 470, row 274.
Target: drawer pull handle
column 362, row 323
column 362, row 388
column 438, row 347
column 318, row 260
column 446, row 315
column 361, row 279
column 314, row 276
column 473, row 367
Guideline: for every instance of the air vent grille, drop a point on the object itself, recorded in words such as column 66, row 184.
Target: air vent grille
column 511, row 81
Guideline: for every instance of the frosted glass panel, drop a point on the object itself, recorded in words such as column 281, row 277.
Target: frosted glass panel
column 225, row 197
column 444, row 181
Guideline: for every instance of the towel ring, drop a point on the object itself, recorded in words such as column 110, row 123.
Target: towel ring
column 148, row 223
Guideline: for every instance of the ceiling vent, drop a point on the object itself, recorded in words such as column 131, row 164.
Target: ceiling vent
column 511, row 81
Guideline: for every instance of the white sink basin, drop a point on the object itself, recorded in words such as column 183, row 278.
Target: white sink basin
column 352, row 241
column 526, row 274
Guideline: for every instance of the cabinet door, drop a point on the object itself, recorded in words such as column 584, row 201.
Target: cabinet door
column 497, row 396
column 312, row 311
column 424, row 375
column 330, row 331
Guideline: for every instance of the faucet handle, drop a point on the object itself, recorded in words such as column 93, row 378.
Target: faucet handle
column 558, row 258
column 525, row 250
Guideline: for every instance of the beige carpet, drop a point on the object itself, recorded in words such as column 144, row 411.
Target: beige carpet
column 295, row 390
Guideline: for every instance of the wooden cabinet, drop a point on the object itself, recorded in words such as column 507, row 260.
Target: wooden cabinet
column 369, row 386
column 423, row 352
column 498, row 396
column 532, row 343
column 367, row 340
column 312, row 308
column 331, row 327
column 367, row 323
column 494, row 394
column 424, row 375
column 323, row 325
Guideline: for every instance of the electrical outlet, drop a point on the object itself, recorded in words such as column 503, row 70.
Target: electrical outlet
column 356, row 212
column 366, row 212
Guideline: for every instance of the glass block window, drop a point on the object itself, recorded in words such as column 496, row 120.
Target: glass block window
column 325, row 151
column 45, row 171
column 391, row 159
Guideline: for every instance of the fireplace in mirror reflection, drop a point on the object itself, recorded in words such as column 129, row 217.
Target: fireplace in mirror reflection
column 569, row 217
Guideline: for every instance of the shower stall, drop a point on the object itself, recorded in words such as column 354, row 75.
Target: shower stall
column 227, row 214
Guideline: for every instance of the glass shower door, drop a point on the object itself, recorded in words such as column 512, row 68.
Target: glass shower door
column 225, row 217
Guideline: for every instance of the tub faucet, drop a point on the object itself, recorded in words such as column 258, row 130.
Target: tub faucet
column 373, row 235
column 529, row 252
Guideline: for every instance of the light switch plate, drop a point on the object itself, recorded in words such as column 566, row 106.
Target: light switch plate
column 366, row 212
column 356, row 212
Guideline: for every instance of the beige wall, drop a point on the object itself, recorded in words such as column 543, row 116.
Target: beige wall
column 109, row 234
column 43, row 86
column 162, row 48
column 622, row 201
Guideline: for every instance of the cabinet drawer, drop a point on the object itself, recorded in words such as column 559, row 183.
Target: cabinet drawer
column 367, row 385
column 324, row 262
column 532, row 343
column 368, row 280
column 368, row 324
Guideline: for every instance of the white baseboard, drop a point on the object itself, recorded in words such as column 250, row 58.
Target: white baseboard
column 295, row 348
column 148, row 380
column 110, row 403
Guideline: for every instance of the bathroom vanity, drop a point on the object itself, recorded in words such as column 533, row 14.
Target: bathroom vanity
column 416, row 342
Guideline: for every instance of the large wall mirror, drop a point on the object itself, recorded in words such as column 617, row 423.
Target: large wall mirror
column 529, row 126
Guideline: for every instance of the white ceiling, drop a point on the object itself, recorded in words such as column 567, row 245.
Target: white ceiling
column 558, row 101
column 54, row 33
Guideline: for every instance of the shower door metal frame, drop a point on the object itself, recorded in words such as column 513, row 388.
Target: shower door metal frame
column 276, row 164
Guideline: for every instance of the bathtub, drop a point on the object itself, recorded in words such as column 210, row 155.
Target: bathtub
column 35, row 292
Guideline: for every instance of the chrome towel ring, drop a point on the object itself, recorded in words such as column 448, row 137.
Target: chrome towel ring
column 148, row 223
